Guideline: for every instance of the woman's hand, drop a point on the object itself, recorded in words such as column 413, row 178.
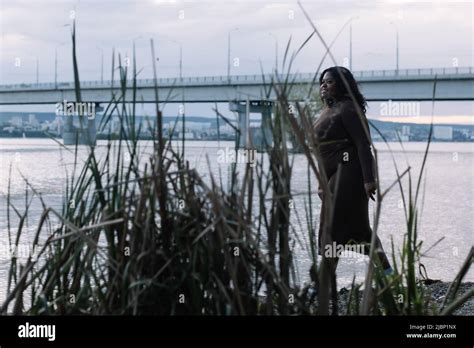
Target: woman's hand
column 370, row 189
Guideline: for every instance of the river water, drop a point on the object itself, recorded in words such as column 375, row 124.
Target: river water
column 447, row 209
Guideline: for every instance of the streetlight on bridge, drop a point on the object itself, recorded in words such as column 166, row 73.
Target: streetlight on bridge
column 180, row 58
column 350, row 41
column 101, row 63
column 228, row 52
column 37, row 70
column 56, row 63
column 276, row 50
column 397, row 47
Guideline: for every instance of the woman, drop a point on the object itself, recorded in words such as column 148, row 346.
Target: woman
column 348, row 164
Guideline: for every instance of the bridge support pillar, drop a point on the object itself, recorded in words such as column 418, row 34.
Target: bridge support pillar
column 86, row 133
column 253, row 137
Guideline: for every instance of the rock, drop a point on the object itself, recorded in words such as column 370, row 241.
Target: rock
column 435, row 289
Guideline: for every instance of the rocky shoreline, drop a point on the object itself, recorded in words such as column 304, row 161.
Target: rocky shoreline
column 437, row 290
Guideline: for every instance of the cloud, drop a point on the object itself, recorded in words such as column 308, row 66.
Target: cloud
column 431, row 34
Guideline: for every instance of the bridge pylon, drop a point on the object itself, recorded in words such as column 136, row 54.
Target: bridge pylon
column 85, row 133
column 259, row 138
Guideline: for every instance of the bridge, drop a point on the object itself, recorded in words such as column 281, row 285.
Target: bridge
column 246, row 93
column 376, row 85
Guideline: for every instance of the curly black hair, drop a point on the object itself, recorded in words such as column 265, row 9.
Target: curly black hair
column 337, row 72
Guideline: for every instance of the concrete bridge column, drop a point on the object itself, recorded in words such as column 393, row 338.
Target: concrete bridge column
column 92, row 125
column 68, row 131
column 243, row 121
column 258, row 138
column 86, row 133
column 267, row 134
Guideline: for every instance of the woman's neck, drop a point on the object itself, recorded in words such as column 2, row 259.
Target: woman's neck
column 332, row 101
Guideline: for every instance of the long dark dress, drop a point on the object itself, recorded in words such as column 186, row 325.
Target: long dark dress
column 351, row 155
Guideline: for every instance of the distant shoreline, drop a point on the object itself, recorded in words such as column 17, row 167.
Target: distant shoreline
column 103, row 137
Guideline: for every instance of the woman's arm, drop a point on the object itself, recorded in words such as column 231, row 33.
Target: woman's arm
column 354, row 128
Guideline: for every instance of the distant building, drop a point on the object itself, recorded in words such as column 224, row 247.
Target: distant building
column 190, row 126
column 404, row 137
column 188, row 135
column 115, row 125
column 406, row 130
column 466, row 132
column 33, row 121
column 405, row 133
column 443, row 132
column 226, row 129
column 57, row 125
column 16, row 121
column 45, row 126
column 376, row 136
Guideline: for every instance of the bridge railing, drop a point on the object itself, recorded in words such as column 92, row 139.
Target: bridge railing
column 236, row 79
column 415, row 72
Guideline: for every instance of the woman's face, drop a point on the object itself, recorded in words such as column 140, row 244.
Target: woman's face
column 328, row 87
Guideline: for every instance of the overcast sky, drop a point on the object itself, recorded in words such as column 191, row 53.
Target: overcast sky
column 432, row 34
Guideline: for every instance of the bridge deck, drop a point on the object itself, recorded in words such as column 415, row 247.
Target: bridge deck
column 406, row 84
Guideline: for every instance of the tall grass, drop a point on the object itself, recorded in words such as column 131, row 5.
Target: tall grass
column 142, row 232
column 145, row 234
